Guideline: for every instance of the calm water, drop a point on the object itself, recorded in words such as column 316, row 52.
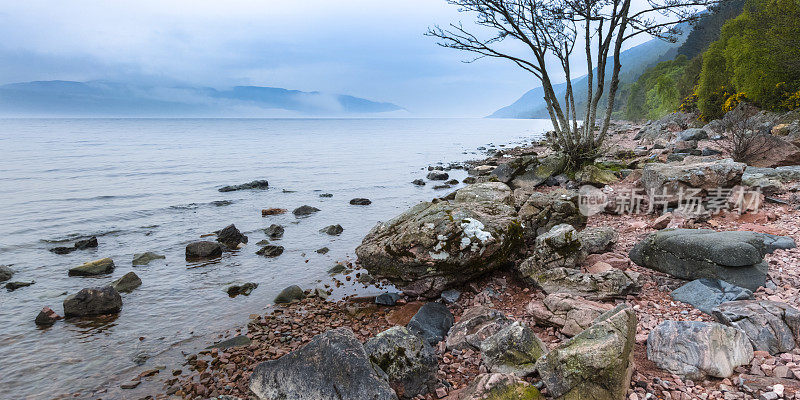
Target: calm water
column 151, row 185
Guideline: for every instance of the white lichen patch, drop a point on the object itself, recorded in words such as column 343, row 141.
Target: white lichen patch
column 474, row 235
column 442, row 255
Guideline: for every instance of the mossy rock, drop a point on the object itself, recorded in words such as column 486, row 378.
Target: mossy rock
column 596, row 176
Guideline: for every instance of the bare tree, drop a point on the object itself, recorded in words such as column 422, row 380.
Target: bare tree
column 551, row 29
column 744, row 140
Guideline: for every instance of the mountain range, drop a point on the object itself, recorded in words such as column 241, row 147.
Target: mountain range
column 114, row 99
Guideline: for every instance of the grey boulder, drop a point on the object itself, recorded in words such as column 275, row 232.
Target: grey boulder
column 332, row 366
column 332, row 230
column 668, row 180
column 475, row 325
column 431, row 322
column 5, row 273
column 438, row 176
column 203, row 250
column 606, row 285
column 513, row 350
column 127, row 283
column 146, row 258
column 705, row 294
column 567, row 312
column 406, row 358
column 92, row 268
column 304, row 211
column 231, row 237
column 274, row 231
column 257, row 184
column 290, row 294
column 93, row 301
column 696, row 349
column 769, row 325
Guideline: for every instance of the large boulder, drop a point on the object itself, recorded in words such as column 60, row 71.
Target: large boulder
column 596, row 176
column 431, row 322
column 692, row 134
column 595, row 364
column 770, row 325
column 665, row 128
column 231, row 237
column 697, row 349
column 559, row 247
column 705, row 294
column 93, row 301
column 668, row 181
column 97, row 267
column 407, row 359
column 605, row 285
column 507, row 171
column 567, row 312
column 513, row 350
column 536, row 173
column 598, row 239
column 203, row 250
column 540, row 212
column 434, row 246
column 127, row 283
column 332, row 366
column 497, row 387
column 736, row 257
column 475, row 325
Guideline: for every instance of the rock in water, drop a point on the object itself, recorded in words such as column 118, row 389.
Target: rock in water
column 406, row 358
column 270, row 251
column 46, row 317
column 475, row 325
column 127, row 283
column 5, row 273
column 514, row 350
column 290, row 294
column 203, row 250
column 736, row 257
column 257, row 184
column 244, row 289
column 438, row 176
column 93, row 301
column 496, row 387
column 595, row 364
column 570, row 313
column 275, row 231
column 231, row 237
column 770, row 325
column 12, row 286
column 304, row 211
column 431, row 322
column 695, row 349
column 433, row 246
column 360, row 201
column 86, row 243
column 418, row 182
column 332, row 230
column 236, row 341
column 145, row 258
column 705, row 294
column 92, row 268
column 332, row 366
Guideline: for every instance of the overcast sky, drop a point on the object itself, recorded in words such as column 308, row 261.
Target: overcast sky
column 367, row 48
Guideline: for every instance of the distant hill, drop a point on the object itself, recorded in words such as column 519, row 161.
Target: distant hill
column 102, row 98
column 634, row 61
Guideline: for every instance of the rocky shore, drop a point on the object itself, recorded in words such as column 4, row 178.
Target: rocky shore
column 531, row 283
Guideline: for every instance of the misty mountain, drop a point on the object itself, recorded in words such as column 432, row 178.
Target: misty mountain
column 634, row 62
column 102, row 98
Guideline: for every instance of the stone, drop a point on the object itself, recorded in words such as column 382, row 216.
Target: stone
column 596, row 240
column 332, row 230
column 696, row 349
column 667, row 181
column 595, row 176
column 5, row 273
column 231, row 237
column 495, row 192
column 437, row 245
column 406, row 358
column 257, row 184
column 326, row 195
column 607, row 285
column 290, row 294
column 431, row 322
column 203, row 250
column 438, row 176
column 236, row 341
column 595, row 364
column 323, row 250
column 12, row 286
column 360, row 201
column 93, row 301
column 270, row 251
column 332, row 366
column 244, row 289
column 451, row 296
column 92, row 268
column 146, row 258
column 665, row 128
column 704, row 294
column 569, row 313
column 127, row 283
column 498, row 387
column 736, row 257
column 418, row 182
column 536, row 173
column 476, row 324
column 769, row 325
column 46, row 317
column 274, row 231
column 559, row 247
column 513, row 350
column 662, row 221
column 304, row 211
column 272, row 211
column 338, row 268
column 692, row 134
column 540, row 212
column 79, row 245
column 387, row 299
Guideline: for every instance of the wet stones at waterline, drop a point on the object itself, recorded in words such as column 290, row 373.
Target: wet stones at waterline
column 244, row 289
column 332, row 230
column 79, row 245
column 127, row 283
column 257, row 184
column 146, row 258
column 92, row 302
column 274, row 231
column 46, row 317
column 438, row 176
column 5, row 273
column 305, row 211
column 231, row 237
column 203, row 250
column 290, row 294
column 360, row 201
column 270, row 251
column 92, row 268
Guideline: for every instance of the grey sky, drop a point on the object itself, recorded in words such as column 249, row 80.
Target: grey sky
column 367, row 48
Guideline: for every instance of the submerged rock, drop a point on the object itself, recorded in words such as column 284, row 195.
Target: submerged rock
column 360, row 201
column 12, row 286
column 203, row 250
column 273, row 211
column 513, row 350
column 332, row 230
column 431, row 322
column 438, row 176
column 236, row 341
column 705, row 294
column 127, row 283
column 5, row 273
column 695, row 349
column 274, row 231
column 290, row 294
column 333, row 365
column 79, row 245
column 231, row 237
column 406, row 358
column 323, row 250
column 257, row 184
column 304, row 211
column 97, row 267
column 418, row 182
column 244, row 289
column 146, row 258
column 270, row 251
column 769, row 325
column 93, row 301
column 46, row 317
